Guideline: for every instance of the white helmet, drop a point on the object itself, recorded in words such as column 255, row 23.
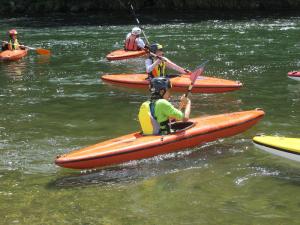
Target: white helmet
column 136, row 31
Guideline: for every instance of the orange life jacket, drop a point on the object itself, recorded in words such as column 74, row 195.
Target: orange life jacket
column 130, row 43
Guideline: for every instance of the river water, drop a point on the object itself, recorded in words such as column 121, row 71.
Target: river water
column 52, row 105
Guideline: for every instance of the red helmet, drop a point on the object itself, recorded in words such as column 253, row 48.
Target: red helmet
column 13, row 32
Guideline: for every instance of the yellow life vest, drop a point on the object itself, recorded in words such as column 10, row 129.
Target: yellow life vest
column 147, row 120
column 159, row 70
column 14, row 44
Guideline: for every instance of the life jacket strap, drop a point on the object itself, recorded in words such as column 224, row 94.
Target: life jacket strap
column 164, row 126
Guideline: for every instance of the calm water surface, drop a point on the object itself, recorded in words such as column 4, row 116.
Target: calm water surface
column 51, row 106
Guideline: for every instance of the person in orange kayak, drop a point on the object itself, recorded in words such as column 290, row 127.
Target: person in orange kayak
column 156, row 63
column 13, row 43
column 154, row 114
column 133, row 42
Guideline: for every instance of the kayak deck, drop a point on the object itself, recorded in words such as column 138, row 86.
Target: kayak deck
column 295, row 75
column 123, row 54
column 281, row 146
column 179, row 83
column 136, row 146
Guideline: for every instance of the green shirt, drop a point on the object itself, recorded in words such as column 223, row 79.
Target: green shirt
column 164, row 110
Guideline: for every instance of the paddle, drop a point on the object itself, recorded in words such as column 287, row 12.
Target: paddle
column 162, row 58
column 194, row 75
column 40, row 51
column 138, row 22
column 147, row 50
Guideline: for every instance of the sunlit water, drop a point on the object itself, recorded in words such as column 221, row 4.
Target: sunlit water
column 51, row 106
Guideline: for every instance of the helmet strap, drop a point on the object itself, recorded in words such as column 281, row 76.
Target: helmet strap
column 155, row 96
column 162, row 92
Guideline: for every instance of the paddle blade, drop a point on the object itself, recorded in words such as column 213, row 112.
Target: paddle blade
column 42, row 51
column 197, row 72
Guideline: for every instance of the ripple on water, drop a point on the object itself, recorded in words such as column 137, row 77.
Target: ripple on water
column 53, row 106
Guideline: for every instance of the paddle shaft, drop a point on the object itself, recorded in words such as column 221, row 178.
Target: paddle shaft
column 138, row 22
column 41, row 51
column 31, row 48
column 162, row 59
column 147, row 41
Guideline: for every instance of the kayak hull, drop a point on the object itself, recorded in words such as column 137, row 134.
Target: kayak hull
column 14, row 55
column 123, row 54
column 295, row 75
column 136, row 146
column 179, row 84
column 281, row 146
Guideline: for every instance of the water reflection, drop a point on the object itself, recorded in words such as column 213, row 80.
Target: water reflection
column 14, row 70
column 43, row 59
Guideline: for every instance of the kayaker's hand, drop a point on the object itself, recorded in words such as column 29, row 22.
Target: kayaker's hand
column 147, row 48
column 183, row 101
column 187, row 71
column 163, row 58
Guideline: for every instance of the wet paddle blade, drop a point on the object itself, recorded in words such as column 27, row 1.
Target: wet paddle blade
column 197, row 72
column 42, row 51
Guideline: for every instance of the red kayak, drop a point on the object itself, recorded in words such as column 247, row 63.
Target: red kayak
column 179, row 83
column 13, row 55
column 136, row 146
column 295, row 75
column 123, row 54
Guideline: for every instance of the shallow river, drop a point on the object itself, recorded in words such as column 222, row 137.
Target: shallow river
column 50, row 106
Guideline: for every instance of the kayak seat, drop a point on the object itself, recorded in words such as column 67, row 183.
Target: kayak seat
column 172, row 75
column 176, row 127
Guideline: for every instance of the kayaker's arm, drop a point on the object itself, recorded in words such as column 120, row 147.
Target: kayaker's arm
column 150, row 66
column 4, row 45
column 127, row 36
column 9, row 45
column 140, row 43
column 185, row 103
column 175, row 67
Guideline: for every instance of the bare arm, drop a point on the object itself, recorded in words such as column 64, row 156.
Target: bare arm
column 150, row 66
column 140, row 43
column 175, row 67
column 185, row 104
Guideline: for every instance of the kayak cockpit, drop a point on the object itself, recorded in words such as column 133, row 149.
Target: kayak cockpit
column 181, row 126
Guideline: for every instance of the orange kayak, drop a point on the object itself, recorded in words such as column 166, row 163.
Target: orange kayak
column 136, row 146
column 179, row 84
column 123, row 54
column 14, row 55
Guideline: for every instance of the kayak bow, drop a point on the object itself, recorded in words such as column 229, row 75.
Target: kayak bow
column 123, row 54
column 295, row 75
column 281, row 146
